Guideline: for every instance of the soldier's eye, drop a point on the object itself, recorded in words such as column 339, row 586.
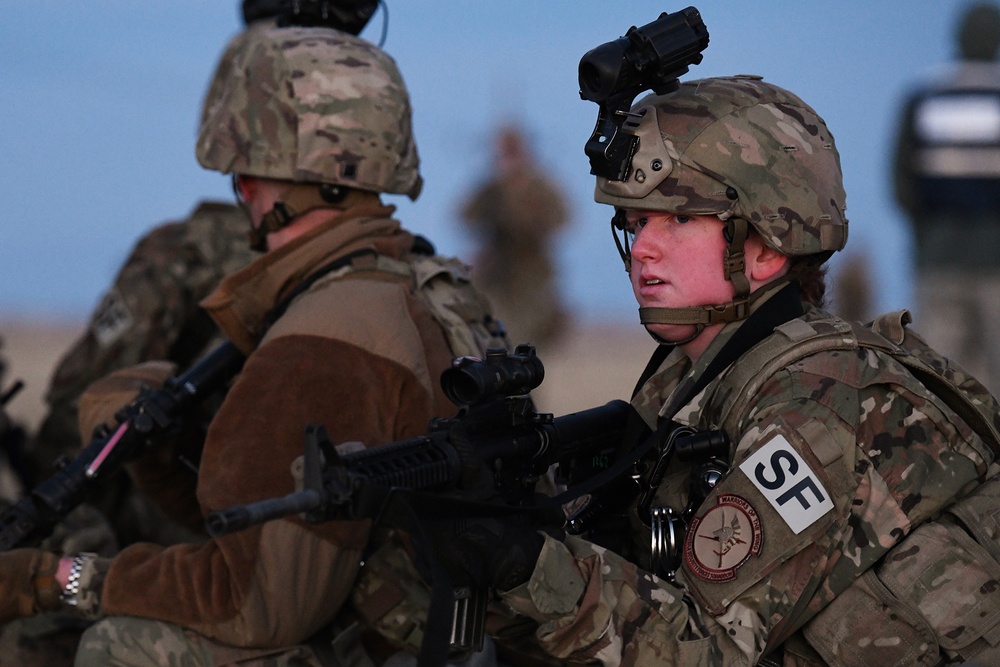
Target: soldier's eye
column 633, row 228
column 681, row 219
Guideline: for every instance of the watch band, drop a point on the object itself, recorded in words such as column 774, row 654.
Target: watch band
column 71, row 592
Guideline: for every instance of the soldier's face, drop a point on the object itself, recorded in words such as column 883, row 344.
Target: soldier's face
column 677, row 263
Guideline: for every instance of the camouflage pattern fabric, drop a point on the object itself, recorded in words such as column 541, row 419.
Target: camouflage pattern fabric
column 837, row 459
column 150, row 312
column 345, row 123
column 135, row 642
column 738, row 147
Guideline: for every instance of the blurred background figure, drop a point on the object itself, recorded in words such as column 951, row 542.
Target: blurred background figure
column 515, row 216
column 947, row 180
column 852, row 288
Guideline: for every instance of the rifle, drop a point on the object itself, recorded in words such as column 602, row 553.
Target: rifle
column 516, row 444
column 496, row 435
column 150, row 419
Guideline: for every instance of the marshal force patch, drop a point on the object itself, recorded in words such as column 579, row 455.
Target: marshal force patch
column 722, row 539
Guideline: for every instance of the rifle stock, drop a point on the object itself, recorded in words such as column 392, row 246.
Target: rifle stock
column 148, row 420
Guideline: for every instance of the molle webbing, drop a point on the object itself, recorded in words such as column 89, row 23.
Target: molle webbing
column 441, row 283
column 915, row 618
column 798, row 339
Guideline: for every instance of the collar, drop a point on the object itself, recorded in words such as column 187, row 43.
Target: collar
column 242, row 301
column 682, row 375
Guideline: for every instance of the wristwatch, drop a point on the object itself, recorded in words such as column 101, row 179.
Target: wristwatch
column 70, row 594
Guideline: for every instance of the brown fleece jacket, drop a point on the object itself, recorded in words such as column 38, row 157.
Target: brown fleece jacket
column 359, row 354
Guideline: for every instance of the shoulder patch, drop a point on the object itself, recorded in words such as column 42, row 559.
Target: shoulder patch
column 111, row 319
column 719, row 541
column 788, row 483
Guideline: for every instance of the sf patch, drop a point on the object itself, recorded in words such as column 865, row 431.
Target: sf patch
column 719, row 541
column 789, row 484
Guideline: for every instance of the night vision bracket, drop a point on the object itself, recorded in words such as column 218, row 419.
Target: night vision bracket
column 652, row 57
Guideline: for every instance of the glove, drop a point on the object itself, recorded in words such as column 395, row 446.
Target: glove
column 102, row 399
column 28, row 583
column 499, row 552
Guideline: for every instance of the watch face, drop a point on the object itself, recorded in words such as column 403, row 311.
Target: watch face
column 722, row 539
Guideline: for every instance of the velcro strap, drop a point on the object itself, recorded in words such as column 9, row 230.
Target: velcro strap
column 727, row 312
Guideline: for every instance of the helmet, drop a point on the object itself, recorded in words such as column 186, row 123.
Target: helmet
column 347, row 15
column 737, row 147
column 310, row 105
column 747, row 151
column 979, row 32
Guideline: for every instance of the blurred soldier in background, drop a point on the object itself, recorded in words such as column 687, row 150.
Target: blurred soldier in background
column 947, row 180
column 151, row 311
column 852, row 288
column 515, row 215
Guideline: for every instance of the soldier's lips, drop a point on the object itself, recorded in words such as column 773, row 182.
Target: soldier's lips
column 649, row 286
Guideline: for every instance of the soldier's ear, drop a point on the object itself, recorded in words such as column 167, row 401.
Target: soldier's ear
column 245, row 186
column 764, row 263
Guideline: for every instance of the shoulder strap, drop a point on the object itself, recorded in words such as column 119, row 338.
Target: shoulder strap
column 339, row 263
column 445, row 286
column 799, row 339
column 981, row 415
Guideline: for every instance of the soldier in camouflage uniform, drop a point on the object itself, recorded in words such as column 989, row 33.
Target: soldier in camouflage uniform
column 314, row 124
column 347, row 320
column 514, row 216
column 152, row 312
column 782, row 516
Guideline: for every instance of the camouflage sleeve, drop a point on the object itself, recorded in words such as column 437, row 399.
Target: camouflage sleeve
column 150, row 312
column 593, row 605
column 830, row 473
column 838, row 461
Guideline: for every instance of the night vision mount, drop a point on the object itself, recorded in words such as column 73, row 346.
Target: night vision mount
column 613, row 74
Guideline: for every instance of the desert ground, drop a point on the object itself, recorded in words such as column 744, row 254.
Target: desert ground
column 590, row 366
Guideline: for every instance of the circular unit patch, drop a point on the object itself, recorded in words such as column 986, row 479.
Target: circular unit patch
column 722, row 539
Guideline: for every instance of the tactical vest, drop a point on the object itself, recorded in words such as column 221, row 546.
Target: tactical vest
column 442, row 284
column 464, row 314
column 461, row 310
column 957, row 157
column 936, row 594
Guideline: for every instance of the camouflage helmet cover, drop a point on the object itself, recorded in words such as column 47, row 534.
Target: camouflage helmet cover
column 310, row 105
column 737, row 147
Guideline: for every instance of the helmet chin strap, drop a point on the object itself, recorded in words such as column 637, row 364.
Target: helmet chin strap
column 734, row 270
column 296, row 200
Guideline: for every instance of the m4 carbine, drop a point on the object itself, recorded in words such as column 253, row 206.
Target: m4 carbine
column 487, row 459
column 148, row 420
column 495, row 435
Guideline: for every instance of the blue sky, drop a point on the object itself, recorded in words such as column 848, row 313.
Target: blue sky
column 99, row 103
